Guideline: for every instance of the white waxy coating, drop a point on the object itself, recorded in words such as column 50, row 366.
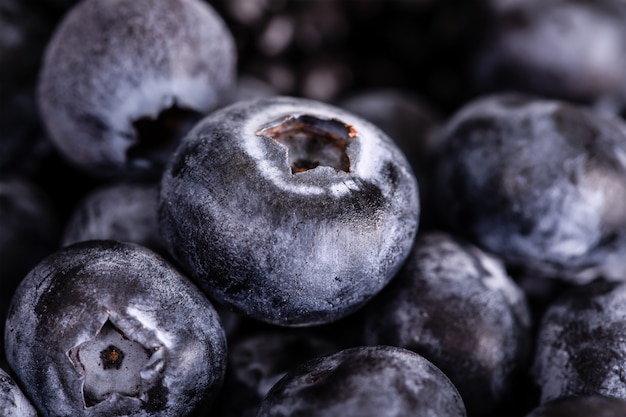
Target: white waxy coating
column 13, row 402
column 540, row 183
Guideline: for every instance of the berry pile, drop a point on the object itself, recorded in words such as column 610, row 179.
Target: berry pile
column 254, row 208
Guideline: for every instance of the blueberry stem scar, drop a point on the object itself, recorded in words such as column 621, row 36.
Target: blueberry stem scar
column 157, row 137
column 312, row 141
column 110, row 363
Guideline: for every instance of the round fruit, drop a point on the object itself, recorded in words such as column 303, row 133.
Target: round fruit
column 289, row 210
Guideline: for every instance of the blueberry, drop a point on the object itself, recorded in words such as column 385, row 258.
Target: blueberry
column 104, row 328
column 122, row 211
column 581, row 406
column 538, row 182
column 291, row 211
column 364, row 381
column 568, row 49
column 13, row 402
column 580, row 347
column 122, row 80
column 456, row 306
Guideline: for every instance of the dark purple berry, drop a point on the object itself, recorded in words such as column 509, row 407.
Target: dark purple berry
column 291, row 211
column 456, row 306
column 580, row 347
column 540, row 183
column 103, row 328
column 123, row 80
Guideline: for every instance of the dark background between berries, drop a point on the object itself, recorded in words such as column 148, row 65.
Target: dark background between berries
column 420, row 46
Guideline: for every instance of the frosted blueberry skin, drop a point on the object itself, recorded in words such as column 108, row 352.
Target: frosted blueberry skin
column 563, row 49
column 540, row 183
column 142, row 73
column 258, row 360
column 122, row 211
column 581, row 343
column 103, row 328
column 581, row 406
column 456, row 306
column 376, row 381
column 264, row 231
column 13, row 402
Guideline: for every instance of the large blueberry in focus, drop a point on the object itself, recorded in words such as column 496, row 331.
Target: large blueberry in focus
column 456, row 306
column 540, row 183
column 103, row 328
column 291, row 211
column 581, row 344
column 122, row 80
column 13, row 402
column 364, row 381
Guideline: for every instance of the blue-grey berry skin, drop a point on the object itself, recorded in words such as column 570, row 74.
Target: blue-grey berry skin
column 540, row 183
column 456, row 305
column 111, row 67
column 581, row 344
column 104, row 328
column 364, row 381
column 13, row 402
column 581, row 406
column 122, row 211
column 291, row 211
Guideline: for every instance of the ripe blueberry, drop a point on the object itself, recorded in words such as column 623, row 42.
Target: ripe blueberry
column 123, row 79
column 291, row 211
column 540, row 183
column 103, row 328
column 456, row 306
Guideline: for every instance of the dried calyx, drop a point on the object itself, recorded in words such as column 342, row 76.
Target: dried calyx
column 312, row 141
